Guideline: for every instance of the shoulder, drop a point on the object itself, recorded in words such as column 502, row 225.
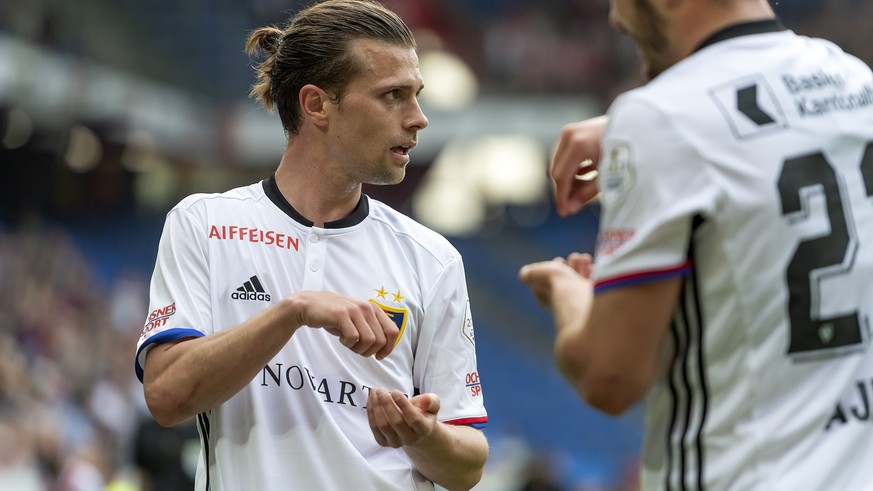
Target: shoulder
column 696, row 100
column 655, row 139
column 641, row 118
column 414, row 235
column 201, row 203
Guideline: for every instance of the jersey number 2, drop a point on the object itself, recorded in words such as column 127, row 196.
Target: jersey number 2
column 823, row 256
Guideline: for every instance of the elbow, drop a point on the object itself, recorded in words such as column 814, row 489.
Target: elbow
column 468, row 474
column 466, row 481
column 475, row 474
column 604, row 388
column 474, row 478
column 165, row 407
column 166, row 419
column 611, row 397
column 471, row 478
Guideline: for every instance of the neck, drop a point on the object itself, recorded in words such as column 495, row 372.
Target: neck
column 311, row 185
column 693, row 21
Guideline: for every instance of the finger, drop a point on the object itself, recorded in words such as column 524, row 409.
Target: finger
column 390, row 420
column 524, row 273
column 375, row 428
column 427, row 402
column 374, row 330
column 582, row 263
column 584, row 191
column 392, row 334
column 543, row 296
column 348, row 333
column 420, row 412
column 365, row 334
column 413, row 417
column 541, row 289
column 565, row 171
column 533, row 273
column 583, row 188
column 575, row 158
column 378, row 316
column 403, row 416
column 382, row 405
column 541, row 278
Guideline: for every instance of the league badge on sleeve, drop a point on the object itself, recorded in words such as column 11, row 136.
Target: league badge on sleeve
column 467, row 325
column 617, row 176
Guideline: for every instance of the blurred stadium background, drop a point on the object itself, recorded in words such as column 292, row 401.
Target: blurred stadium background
column 113, row 110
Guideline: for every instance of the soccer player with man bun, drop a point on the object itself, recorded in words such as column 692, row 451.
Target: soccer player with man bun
column 732, row 285
column 322, row 340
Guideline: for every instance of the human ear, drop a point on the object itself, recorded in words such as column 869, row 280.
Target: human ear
column 313, row 102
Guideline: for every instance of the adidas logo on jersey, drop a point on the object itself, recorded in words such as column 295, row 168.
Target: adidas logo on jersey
column 251, row 290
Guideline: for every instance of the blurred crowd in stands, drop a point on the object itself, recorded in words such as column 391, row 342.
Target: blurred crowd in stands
column 513, row 46
column 72, row 416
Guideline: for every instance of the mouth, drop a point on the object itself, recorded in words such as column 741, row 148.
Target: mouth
column 403, row 149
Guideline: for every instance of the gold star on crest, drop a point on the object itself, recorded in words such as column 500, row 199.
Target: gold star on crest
column 380, row 293
column 398, row 297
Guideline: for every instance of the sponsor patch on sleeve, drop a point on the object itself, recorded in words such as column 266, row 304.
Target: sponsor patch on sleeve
column 158, row 318
column 610, row 240
column 474, row 385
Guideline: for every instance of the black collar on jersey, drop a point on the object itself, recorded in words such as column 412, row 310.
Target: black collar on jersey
column 271, row 189
column 743, row 29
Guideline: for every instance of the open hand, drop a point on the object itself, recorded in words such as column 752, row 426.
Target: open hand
column 397, row 421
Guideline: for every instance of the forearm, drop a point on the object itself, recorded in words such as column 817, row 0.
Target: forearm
column 190, row 377
column 570, row 357
column 452, row 456
column 571, row 309
column 610, row 358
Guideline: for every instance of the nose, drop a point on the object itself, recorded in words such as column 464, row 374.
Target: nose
column 417, row 120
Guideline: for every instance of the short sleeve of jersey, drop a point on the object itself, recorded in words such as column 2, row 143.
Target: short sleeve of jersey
column 179, row 296
column 445, row 360
column 653, row 184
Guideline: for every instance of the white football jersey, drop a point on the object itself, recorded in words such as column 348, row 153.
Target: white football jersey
column 748, row 168
column 301, row 423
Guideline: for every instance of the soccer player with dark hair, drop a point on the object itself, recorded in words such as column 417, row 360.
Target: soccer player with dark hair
column 322, row 340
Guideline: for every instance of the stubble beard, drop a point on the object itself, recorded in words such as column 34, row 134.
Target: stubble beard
column 651, row 40
column 384, row 174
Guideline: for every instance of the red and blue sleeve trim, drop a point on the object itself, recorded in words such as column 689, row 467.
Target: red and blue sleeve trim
column 479, row 422
column 167, row 336
column 642, row 277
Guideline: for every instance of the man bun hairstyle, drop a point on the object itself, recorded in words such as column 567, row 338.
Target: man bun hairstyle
column 315, row 48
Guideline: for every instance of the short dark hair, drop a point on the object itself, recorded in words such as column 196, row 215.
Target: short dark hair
column 314, row 48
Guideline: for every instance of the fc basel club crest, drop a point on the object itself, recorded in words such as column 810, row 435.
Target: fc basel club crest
column 398, row 316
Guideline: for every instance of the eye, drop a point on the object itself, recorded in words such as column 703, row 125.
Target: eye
column 392, row 94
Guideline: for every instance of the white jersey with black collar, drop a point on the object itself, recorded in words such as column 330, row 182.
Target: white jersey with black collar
column 301, row 423
column 748, row 168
